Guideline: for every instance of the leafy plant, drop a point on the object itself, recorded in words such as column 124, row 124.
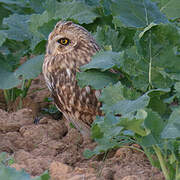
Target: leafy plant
column 140, row 41
column 9, row 173
column 142, row 108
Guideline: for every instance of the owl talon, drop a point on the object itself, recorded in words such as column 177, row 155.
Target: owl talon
column 37, row 119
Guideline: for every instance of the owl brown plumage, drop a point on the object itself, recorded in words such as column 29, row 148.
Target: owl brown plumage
column 69, row 47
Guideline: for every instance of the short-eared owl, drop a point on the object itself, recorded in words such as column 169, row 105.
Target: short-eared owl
column 69, row 47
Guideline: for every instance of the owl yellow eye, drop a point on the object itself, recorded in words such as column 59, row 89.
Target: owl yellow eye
column 63, row 41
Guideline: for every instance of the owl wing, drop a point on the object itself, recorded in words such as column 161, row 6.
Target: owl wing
column 80, row 106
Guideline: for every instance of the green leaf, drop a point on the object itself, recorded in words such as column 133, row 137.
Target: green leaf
column 4, row 12
column 46, row 28
column 104, row 60
column 12, row 174
column 156, row 102
column 8, row 79
column 44, row 176
column 8, row 7
column 30, row 69
column 37, row 5
column 172, row 129
column 155, row 46
column 127, row 106
column 154, row 123
column 3, row 37
column 162, row 49
column 171, row 8
column 96, row 132
column 106, row 127
column 148, row 141
column 106, row 6
column 18, row 27
column 107, row 37
column 134, row 125
column 12, row 2
column 121, row 105
column 96, row 79
column 75, row 10
column 139, row 13
column 36, row 21
column 112, row 94
column 88, row 153
column 177, row 88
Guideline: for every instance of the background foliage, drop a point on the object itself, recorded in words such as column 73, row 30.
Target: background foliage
column 140, row 40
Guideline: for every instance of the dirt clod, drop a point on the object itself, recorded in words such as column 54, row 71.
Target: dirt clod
column 10, row 122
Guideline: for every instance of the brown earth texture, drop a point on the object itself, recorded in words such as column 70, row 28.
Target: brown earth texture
column 52, row 145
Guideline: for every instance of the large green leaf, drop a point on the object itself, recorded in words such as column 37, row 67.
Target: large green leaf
column 177, row 88
column 3, row 13
column 13, row 2
column 18, row 27
column 37, row 5
column 172, row 129
column 112, row 94
column 8, row 79
column 30, row 69
column 154, row 123
column 11, row 174
column 104, row 61
column 139, row 13
column 96, row 79
column 109, row 38
column 8, row 7
column 171, row 8
column 106, row 6
column 36, row 21
column 3, row 37
column 156, row 102
column 114, row 98
column 134, row 122
column 128, row 106
column 161, row 48
column 154, row 60
column 75, row 10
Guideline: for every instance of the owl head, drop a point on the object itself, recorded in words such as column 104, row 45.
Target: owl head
column 67, row 37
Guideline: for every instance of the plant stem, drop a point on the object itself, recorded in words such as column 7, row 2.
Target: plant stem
column 101, row 166
column 25, row 87
column 177, row 171
column 149, row 156
column 28, row 85
column 150, row 60
column 162, row 162
column 6, row 95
